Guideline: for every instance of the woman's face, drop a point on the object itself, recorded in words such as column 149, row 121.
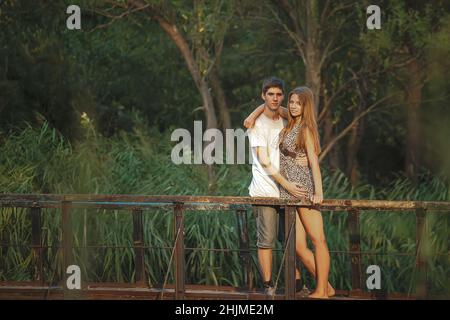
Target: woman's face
column 295, row 108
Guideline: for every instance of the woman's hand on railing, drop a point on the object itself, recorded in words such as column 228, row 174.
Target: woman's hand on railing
column 317, row 198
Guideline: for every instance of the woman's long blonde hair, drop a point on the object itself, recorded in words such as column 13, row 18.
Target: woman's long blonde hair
column 308, row 121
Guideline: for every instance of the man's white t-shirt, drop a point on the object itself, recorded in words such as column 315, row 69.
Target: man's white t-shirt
column 265, row 133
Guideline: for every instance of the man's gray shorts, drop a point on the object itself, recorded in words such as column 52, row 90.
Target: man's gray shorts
column 268, row 225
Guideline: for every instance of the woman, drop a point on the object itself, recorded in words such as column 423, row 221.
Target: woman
column 300, row 139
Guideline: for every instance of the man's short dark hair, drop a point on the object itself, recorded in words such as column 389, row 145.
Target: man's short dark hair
column 272, row 82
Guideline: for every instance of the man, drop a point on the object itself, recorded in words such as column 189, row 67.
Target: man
column 263, row 139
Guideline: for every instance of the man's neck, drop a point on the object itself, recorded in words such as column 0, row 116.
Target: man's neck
column 273, row 115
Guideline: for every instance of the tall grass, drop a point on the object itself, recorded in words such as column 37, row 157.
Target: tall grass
column 41, row 161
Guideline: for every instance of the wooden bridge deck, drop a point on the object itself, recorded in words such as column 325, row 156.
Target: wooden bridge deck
column 114, row 291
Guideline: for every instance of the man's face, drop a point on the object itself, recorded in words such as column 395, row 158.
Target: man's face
column 273, row 98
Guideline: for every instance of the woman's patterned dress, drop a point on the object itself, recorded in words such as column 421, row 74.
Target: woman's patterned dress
column 293, row 172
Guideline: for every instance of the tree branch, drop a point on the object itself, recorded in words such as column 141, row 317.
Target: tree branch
column 299, row 42
column 335, row 94
column 324, row 12
column 338, row 8
column 287, row 8
column 333, row 141
column 114, row 17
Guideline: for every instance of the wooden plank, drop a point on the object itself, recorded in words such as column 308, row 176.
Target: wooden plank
column 179, row 252
column 330, row 204
column 421, row 254
column 36, row 243
column 66, row 233
column 138, row 243
column 244, row 246
column 67, row 249
column 289, row 260
column 126, row 292
column 17, row 200
column 355, row 248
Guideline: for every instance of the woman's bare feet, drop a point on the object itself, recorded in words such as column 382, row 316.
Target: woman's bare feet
column 321, row 294
column 318, row 295
column 331, row 292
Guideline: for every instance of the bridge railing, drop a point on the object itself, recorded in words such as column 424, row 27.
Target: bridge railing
column 180, row 204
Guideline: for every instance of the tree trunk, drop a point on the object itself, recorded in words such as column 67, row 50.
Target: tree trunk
column 413, row 101
column 211, row 119
column 354, row 142
column 313, row 77
column 315, row 46
column 220, row 98
column 356, row 134
column 312, row 52
column 333, row 158
column 200, row 82
column 307, row 42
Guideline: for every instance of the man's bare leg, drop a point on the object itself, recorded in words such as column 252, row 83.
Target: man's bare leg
column 265, row 263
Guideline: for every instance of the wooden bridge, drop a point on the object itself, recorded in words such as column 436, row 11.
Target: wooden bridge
column 40, row 288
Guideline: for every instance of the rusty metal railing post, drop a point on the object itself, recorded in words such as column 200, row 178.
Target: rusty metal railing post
column 421, row 253
column 241, row 217
column 179, row 252
column 67, row 244
column 355, row 250
column 138, row 243
column 289, row 260
column 36, row 243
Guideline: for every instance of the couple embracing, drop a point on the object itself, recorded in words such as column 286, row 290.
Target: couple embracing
column 285, row 165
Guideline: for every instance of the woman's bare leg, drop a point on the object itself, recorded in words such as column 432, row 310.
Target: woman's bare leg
column 313, row 225
column 301, row 248
column 305, row 254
